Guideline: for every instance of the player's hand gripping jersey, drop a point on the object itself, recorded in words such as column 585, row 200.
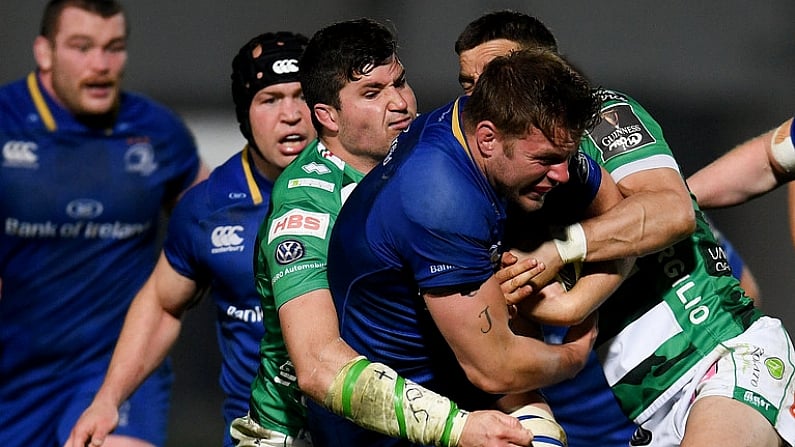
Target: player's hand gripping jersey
column 666, row 325
column 401, row 235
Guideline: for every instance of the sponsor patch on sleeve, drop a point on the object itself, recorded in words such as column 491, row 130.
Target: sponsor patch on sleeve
column 298, row 222
column 288, row 251
column 310, row 182
column 619, row 131
column 715, row 259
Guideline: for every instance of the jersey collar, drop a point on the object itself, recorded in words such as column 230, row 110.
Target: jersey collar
column 41, row 104
column 457, row 125
column 248, row 172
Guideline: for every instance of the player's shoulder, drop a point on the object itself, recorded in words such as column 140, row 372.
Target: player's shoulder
column 313, row 180
column 227, row 186
column 619, row 100
column 611, row 96
column 13, row 90
column 139, row 111
column 15, row 102
column 315, row 168
column 194, row 201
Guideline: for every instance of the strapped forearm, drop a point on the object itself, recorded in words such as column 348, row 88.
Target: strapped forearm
column 375, row 397
column 571, row 243
column 782, row 149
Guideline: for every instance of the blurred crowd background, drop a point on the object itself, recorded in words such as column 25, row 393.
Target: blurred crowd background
column 712, row 73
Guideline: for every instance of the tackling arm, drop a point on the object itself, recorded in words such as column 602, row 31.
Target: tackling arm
column 493, row 357
column 552, row 304
column 150, row 329
column 333, row 374
column 555, row 305
column 761, row 164
column 656, row 212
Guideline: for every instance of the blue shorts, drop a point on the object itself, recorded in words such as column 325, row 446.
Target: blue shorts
column 234, row 407
column 585, row 406
column 43, row 412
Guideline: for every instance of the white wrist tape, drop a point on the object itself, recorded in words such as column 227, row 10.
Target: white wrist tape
column 375, row 397
column 571, row 245
column 781, row 146
column 546, row 431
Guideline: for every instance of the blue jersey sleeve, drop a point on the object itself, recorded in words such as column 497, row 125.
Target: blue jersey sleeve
column 182, row 234
column 448, row 229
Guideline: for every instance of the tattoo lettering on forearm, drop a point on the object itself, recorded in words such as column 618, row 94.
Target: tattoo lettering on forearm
column 485, row 314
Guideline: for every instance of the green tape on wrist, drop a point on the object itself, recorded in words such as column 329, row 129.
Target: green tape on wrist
column 351, row 377
column 448, row 426
column 400, row 385
column 375, row 397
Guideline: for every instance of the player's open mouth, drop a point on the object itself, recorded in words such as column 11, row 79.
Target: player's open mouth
column 99, row 88
column 293, row 143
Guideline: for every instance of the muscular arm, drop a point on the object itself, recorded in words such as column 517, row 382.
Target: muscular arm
column 319, row 355
column 313, row 343
column 150, row 329
column 656, row 212
column 741, row 174
column 596, row 283
column 493, row 357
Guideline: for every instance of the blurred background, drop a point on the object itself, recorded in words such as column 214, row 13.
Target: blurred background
column 712, row 73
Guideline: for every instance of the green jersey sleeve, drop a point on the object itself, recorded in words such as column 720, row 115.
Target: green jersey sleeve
column 293, row 240
column 626, row 139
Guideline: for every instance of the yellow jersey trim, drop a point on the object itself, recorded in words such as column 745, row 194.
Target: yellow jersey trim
column 458, row 131
column 41, row 104
column 256, row 195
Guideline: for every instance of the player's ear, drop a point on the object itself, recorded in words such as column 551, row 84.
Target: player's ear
column 327, row 116
column 42, row 53
column 486, row 136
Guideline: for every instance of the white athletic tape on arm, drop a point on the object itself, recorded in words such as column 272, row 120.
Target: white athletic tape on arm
column 572, row 246
column 375, row 397
column 781, row 146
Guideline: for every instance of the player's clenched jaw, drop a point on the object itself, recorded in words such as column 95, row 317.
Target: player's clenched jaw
column 528, row 167
column 374, row 109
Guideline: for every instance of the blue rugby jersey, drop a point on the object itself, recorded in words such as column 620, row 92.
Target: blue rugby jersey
column 424, row 219
column 211, row 240
column 80, row 209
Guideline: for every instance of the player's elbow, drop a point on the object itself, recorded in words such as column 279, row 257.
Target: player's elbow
column 494, row 380
column 311, row 383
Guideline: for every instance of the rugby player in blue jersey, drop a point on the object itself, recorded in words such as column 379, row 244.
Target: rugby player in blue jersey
column 86, row 174
column 413, row 254
column 643, row 167
column 357, row 88
column 210, row 244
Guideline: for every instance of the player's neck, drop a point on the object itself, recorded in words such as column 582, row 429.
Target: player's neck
column 363, row 162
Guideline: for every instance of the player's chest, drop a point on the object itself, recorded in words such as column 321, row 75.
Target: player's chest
column 62, row 177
